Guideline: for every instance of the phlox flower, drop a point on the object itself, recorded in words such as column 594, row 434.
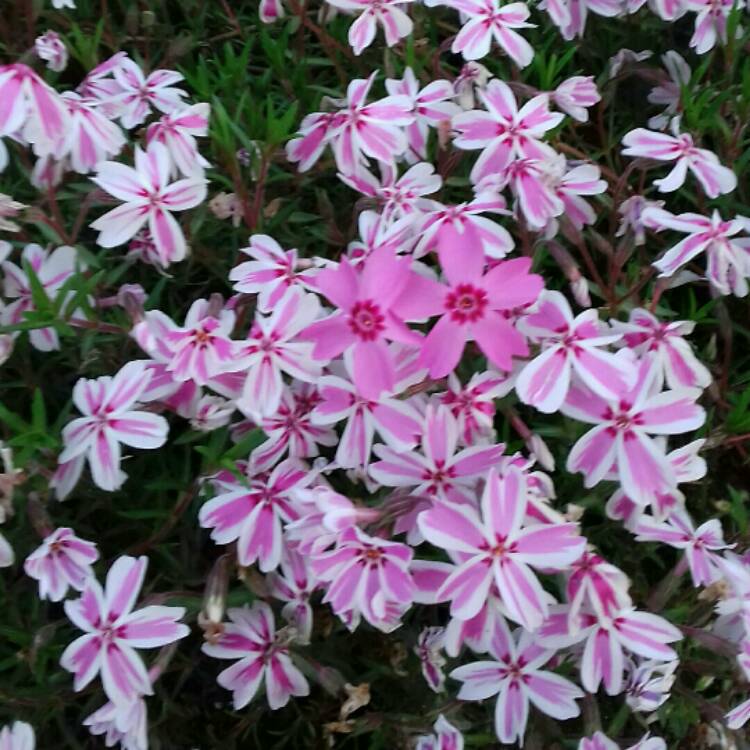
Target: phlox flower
column 488, row 21
column 569, row 185
column 270, row 273
column 570, row 15
column 9, row 209
column 208, row 412
column 516, row 676
column 253, row 512
column 388, row 13
column 665, row 342
column 139, row 94
column 51, row 48
column 504, row 132
column 126, row 724
column 700, row 544
column 270, row 10
column 575, row 96
column 272, row 348
column 669, row 93
column 649, row 684
column 17, row 736
column 446, row 737
column 109, row 419
column 250, row 636
column 711, row 22
column 52, row 270
column 7, row 556
column 595, row 584
column 149, row 197
column 376, row 234
column 113, row 630
column 440, row 470
column 635, row 218
column 472, row 306
column 31, row 108
column 431, row 105
column 569, row 345
column 680, row 148
column 429, row 645
column 500, row 549
column 471, row 79
column 63, row 561
column 294, row 585
column 728, row 256
column 622, row 435
column 738, row 716
column 177, row 130
column 100, row 85
column 600, row 741
column 368, row 576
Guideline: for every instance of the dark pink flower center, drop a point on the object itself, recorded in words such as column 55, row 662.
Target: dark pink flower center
column 466, row 303
column 366, row 320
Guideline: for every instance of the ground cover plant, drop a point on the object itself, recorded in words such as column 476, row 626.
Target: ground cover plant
column 374, row 374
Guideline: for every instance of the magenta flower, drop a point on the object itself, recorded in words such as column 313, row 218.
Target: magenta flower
column 368, row 576
column 315, row 133
column 503, row 132
column 272, row 348
column 31, row 108
column 294, row 585
column 251, row 637
column 680, row 148
column 699, row 544
column 622, row 439
column 488, row 20
column 253, row 512
column 499, row 549
column 113, row 631
column 372, row 305
column 61, row 562
column 576, row 95
column 517, row 678
column 446, row 737
column 108, row 420
column 430, row 643
column 569, row 345
column 595, row 584
column 472, row 306
column 569, row 186
column 396, row 24
column 440, row 471
column 177, row 131
column 17, row 736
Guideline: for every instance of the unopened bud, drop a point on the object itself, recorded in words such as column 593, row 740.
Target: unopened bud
column 38, row 516
column 215, row 595
column 538, row 448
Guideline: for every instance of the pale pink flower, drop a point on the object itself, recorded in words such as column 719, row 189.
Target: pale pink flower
column 699, row 544
column 635, row 217
column 429, row 645
column 113, row 631
column 600, row 741
column 272, row 348
column 472, row 78
column 368, row 576
column 110, row 419
column 570, row 15
column 473, row 306
column 532, row 184
column 379, row 235
column 665, row 342
column 263, row 655
column 500, row 550
column 7, row 556
column 178, row 130
column 575, row 95
column 51, row 48
column 738, row 716
column 388, row 13
column 680, row 148
column 649, row 684
column 431, row 106
column 17, row 736
column 440, row 470
column 31, row 108
column 149, row 197
column 60, row 4
column 253, row 512
column 270, row 273
column 728, row 256
column 711, row 22
column 210, row 412
column 622, row 436
column 9, row 209
column 504, row 132
column 446, row 737
column 294, row 585
column 63, row 561
column 139, row 94
column 669, row 93
column 52, row 270
column 569, row 345
column 569, row 185
column 517, row 678
column 90, row 137
column 488, row 20
column 100, row 86
column 126, row 724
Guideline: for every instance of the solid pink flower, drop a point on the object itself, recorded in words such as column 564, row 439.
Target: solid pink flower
column 388, row 13
column 253, row 512
column 500, row 549
column 149, row 197
column 576, row 95
column 517, row 678
column 569, row 345
column 446, row 737
column 488, row 20
column 178, row 131
column 113, row 631
column 63, row 561
column 504, row 132
column 17, row 736
column 109, row 419
column 368, row 576
column 621, row 437
column 715, row 178
column 250, row 636
column 472, row 306
column 440, row 470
